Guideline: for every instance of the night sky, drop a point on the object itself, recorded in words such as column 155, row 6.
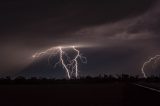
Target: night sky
column 119, row 35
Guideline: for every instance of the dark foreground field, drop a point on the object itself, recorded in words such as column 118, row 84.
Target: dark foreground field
column 106, row 94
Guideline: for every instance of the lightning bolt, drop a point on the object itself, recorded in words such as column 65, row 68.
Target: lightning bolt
column 75, row 60
column 154, row 59
column 71, row 65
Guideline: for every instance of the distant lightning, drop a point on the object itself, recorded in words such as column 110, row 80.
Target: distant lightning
column 154, row 59
column 71, row 65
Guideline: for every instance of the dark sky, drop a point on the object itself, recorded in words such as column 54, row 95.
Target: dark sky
column 121, row 34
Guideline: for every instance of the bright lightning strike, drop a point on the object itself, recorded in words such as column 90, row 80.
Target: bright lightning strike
column 154, row 59
column 70, row 65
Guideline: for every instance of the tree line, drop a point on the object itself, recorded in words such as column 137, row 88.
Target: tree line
column 87, row 79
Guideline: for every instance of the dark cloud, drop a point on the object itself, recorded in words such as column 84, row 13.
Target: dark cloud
column 60, row 17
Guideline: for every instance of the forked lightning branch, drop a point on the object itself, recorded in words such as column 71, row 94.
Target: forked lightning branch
column 70, row 65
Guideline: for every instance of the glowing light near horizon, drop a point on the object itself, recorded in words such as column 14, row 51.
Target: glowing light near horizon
column 69, row 65
column 154, row 59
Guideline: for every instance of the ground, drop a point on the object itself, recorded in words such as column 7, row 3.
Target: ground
column 102, row 94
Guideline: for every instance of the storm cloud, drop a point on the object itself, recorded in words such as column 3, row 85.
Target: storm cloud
column 121, row 34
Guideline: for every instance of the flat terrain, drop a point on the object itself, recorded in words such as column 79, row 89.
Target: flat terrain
column 106, row 94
